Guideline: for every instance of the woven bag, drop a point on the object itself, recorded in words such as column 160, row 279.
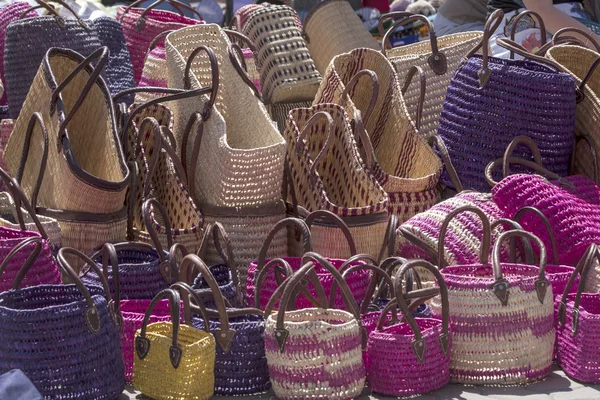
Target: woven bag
column 83, row 184
column 292, row 338
column 249, row 56
column 142, row 25
column 77, row 352
column 173, row 360
column 438, row 58
column 153, row 73
column 6, row 128
column 541, row 106
column 578, row 324
column 411, row 357
column 403, row 163
column 241, row 365
column 326, row 173
column 279, row 112
column 160, row 178
column 331, row 28
column 242, row 188
column 287, row 71
column 41, row 33
column 501, row 318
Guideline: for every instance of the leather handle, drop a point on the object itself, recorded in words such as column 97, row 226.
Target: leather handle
column 491, row 24
column 260, row 275
column 438, row 142
column 388, row 265
column 515, row 21
column 501, row 286
column 59, row 19
column 150, row 206
column 526, row 243
column 525, row 163
column 33, row 256
column 214, row 68
column 224, row 335
column 530, row 143
column 172, row 273
column 592, row 148
column 320, row 215
column 391, row 16
column 142, row 344
column 284, row 223
column 414, row 70
column 351, row 85
column 377, row 276
column 132, row 198
column 241, row 38
column 362, row 138
column 586, row 78
column 516, row 48
column 485, row 242
column 301, row 144
column 240, row 70
column 559, row 34
column 185, row 291
column 390, row 239
column 532, row 210
column 225, row 250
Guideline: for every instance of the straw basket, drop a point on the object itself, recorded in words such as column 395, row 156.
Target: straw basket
column 249, row 54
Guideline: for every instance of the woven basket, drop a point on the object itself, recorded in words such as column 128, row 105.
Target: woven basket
column 77, row 353
column 438, row 58
column 292, row 338
column 249, row 54
column 541, row 106
column 141, row 26
column 153, row 73
column 45, row 32
column 287, row 71
column 501, row 318
column 83, row 184
column 173, row 360
column 579, row 324
column 331, row 28
column 412, row 357
column 6, row 128
column 280, row 111
column 411, row 185
column 326, row 173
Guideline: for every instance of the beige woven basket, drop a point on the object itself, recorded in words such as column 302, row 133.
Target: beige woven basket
column 326, row 173
column 439, row 59
column 402, row 161
column 288, row 72
column 331, row 28
column 279, row 112
column 83, row 184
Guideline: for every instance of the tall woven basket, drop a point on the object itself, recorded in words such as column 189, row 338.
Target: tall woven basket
column 83, row 184
column 326, row 173
column 392, row 134
column 438, row 58
column 501, row 318
column 331, row 28
column 241, row 188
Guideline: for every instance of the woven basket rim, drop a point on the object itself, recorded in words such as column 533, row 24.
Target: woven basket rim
column 446, row 42
column 70, row 287
column 464, row 273
column 350, row 319
column 200, row 336
column 432, row 325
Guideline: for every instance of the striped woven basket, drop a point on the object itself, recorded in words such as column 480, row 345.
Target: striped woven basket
column 326, row 173
column 438, row 58
column 501, row 318
column 83, row 185
column 245, row 152
column 287, row 70
column 394, row 138
column 331, row 28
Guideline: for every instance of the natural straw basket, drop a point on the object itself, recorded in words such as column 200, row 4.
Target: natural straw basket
column 501, row 318
column 438, row 58
column 331, row 28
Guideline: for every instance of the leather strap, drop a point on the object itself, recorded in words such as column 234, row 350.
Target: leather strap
column 559, row 35
column 520, row 50
column 301, row 143
column 59, row 19
column 528, row 250
column 423, row 86
column 172, row 273
column 437, row 60
column 33, row 256
column 36, row 118
column 534, row 15
column 280, row 266
column 214, row 68
column 185, row 291
column 438, row 142
column 109, row 254
column 530, row 143
column 351, row 85
column 491, row 24
column 284, row 223
column 318, row 216
column 525, row 163
column 148, row 208
column 132, row 200
column 242, row 40
column 528, row 209
column 233, row 48
column 485, row 242
column 390, row 239
column 48, row 7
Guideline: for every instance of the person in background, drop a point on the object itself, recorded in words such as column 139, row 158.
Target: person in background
column 556, row 14
column 456, row 16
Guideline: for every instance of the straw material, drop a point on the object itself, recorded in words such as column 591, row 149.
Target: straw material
column 577, row 61
column 280, row 111
column 6, row 128
column 336, row 181
column 139, row 36
column 288, row 72
column 153, row 74
column 455, row 47
column 331, row 28
column 405, row 165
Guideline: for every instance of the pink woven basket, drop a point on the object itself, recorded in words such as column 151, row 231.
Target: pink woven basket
column 261, row 286
column 413, row 357
column 579, row 324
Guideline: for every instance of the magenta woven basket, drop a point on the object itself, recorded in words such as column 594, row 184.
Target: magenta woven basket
column 412, row 357
column 358, row 281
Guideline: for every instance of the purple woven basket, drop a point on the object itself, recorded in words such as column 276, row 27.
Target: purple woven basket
column 490, row 101
column 65, row 338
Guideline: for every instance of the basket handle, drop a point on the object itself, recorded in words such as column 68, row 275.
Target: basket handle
column 35, row 253
column 49, row 7
column 485, row 242
column 518, row 216
column 142, row 19
column 423, row 86
column 242, row 40
column 233, row 48
column 586, row 78
column 214, row 68
column 390, row 239
column 92, row 318
column 525, row 163
column 578, row 31
column 225, row 251
column 530, row 143
column 142, row 344
column 148, row 207
column 583, row 267
column 363, row 140
column 533, row 15
column 513, row 251
column 349, row 88
column 224, row 335
column 301, row 145
column 590, row 144
column 501, row 286
column 320, row 216
column 109, row 254
column 59, row 19
column 520, row 50
column 279, row 266
column 437, row 60
column 284, row 223
column 185, row 291
column 438, row 142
